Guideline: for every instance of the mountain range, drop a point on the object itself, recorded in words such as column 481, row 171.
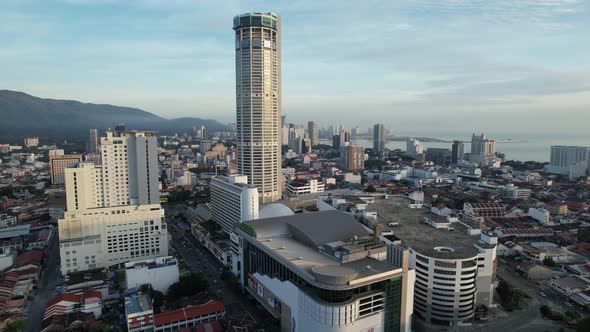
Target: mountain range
column 22, row 115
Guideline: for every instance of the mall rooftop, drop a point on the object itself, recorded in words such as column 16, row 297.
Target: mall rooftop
column 413, row 226
column 330, row 249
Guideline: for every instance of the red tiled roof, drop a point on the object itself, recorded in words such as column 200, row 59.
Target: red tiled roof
column 27, row 271
column 29, row 257
column 91, row 294
column 73, row 297
column 68, row 297
column 189, row 312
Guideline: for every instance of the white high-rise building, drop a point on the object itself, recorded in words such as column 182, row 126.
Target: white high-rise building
column 482, row 148
column 130, row 168
column 258, row 101
column 413, row 146
column 113, row 211
column 233, row 201
column 573, row 161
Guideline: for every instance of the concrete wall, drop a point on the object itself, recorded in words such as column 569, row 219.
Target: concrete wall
column 308, row 315
column 159, row 276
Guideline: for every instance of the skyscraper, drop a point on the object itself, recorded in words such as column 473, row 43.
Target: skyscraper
column 482, row 148
column 378, row 137
column 258, row 101
column 344, row 137
column 336, row 142
column 573, row 161
column 457, row 152
column 93, row 144
column 312, row 128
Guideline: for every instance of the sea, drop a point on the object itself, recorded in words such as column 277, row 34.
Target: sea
column 515, row 147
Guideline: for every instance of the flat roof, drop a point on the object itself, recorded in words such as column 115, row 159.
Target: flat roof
column 316, row 228
column 420, row 236
column 296, row 241
column 136, row 303
column 572, row 282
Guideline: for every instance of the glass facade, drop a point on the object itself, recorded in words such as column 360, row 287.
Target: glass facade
column 393, row 304
column 255, row 20
column 258, row 261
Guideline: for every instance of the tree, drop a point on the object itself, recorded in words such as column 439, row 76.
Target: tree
column 545, row 311
column 291, row 162
column 374, row 164
column 15, row 326
column 370, row 189
column 583, row 325
column 187, row 286
column 179, row 195
column 510, row 297
column 548, row 261
column 572, row 314
column 8, row 192
column 155, row 296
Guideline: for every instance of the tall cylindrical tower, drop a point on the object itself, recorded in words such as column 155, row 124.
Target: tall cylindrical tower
column 258, row 101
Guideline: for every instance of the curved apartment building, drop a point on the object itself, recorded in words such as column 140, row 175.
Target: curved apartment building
column 446, row 285
column 258, row 102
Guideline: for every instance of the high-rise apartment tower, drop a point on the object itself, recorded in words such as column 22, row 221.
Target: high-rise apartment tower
column 378, row 137
column 113, row 213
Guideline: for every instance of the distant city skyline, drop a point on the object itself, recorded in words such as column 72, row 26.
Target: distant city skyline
column 407, row 64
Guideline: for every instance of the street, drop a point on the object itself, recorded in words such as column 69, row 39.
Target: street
column 194, row 257
column 528, row 319
column 45, row 288
column 240, row 312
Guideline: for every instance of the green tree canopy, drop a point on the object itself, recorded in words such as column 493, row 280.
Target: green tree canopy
column 187, row 286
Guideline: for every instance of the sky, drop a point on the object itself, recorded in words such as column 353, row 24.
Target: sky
column 421, row 67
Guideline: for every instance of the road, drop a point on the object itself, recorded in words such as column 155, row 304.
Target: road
column 194, row 256
column 240, row 311
column 45, row 289
column 528, row 319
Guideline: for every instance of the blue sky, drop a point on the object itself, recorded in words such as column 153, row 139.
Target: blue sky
column 417, row 66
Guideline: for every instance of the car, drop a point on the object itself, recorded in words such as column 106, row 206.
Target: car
column 568, row 304
column 543, row 294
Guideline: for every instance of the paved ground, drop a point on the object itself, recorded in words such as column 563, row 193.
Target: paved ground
column 528, row 319
column 240, row 311
column 194, row 257
column 45, row 291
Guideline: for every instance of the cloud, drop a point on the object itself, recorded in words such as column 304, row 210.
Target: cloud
column 388, row 59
